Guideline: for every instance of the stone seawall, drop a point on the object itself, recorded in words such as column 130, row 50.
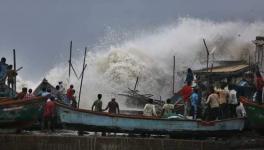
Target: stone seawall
column 35, row 142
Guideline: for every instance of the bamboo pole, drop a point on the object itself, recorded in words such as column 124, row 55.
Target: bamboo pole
column 207, row 58
column 75, row 73
column 135, row 87
column 70, row 63
column 84, row 66
column 261, row 59
column 173, row 76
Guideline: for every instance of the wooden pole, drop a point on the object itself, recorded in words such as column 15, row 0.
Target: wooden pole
column 84, row 66
column 249, row 63
column 70, row 64
column 173, row 76
column 261, row 59
column 207, row 52
column 135, row 87
column 14, row 55
column 74, row 72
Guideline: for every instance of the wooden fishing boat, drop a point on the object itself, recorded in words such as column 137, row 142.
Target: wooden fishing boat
column 80, row 119
column 20, row 113
column 255, row 114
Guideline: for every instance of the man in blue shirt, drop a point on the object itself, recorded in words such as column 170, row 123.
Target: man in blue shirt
column 194, row 102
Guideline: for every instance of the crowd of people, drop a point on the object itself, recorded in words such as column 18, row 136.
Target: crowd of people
column 211, row 104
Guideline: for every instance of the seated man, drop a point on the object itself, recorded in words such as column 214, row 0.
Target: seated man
column 167, row 109
column 149, row 109
column 240, row 110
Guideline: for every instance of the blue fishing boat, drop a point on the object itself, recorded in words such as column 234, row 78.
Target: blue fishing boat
column 80, row 119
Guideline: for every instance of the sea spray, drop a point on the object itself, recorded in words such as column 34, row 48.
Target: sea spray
column 113, row 68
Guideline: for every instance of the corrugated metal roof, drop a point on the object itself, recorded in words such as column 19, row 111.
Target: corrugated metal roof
column 226, row 69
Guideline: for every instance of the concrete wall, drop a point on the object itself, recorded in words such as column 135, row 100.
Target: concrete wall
column 25, row 142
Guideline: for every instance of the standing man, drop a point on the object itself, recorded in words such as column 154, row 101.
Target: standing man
column 113, row 107
column 194, row 103
column 223, row 97
column 232, row 101
column 186, row 92
column 49, row 114
column 61, row 87
column 11, row 76
column 259, row 87
column 213, row 102
column 3, row 70
column 189, row 76
column 70, row 93
column 97, row 105
column 73, row 101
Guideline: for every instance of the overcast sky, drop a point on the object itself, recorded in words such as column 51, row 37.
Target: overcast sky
column 40, row 31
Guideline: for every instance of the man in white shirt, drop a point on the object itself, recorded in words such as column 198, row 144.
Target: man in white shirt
column 167, row 109
column 232, row 101
column 61, row 88
column 149, row 109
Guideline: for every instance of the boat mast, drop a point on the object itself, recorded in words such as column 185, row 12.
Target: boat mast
column 84, row 66
column 173, row 76
column 70, row 60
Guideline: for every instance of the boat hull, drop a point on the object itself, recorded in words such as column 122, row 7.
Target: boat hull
column 93, row 121
column 255, row 114
column 20, row 113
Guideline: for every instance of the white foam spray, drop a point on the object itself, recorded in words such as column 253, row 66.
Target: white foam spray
column 113, row 66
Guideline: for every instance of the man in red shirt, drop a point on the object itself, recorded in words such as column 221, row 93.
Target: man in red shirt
column 49, row 114
column 186, row 92
column 70, row 93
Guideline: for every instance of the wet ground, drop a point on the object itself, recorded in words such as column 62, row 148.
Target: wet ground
column 61, row 139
